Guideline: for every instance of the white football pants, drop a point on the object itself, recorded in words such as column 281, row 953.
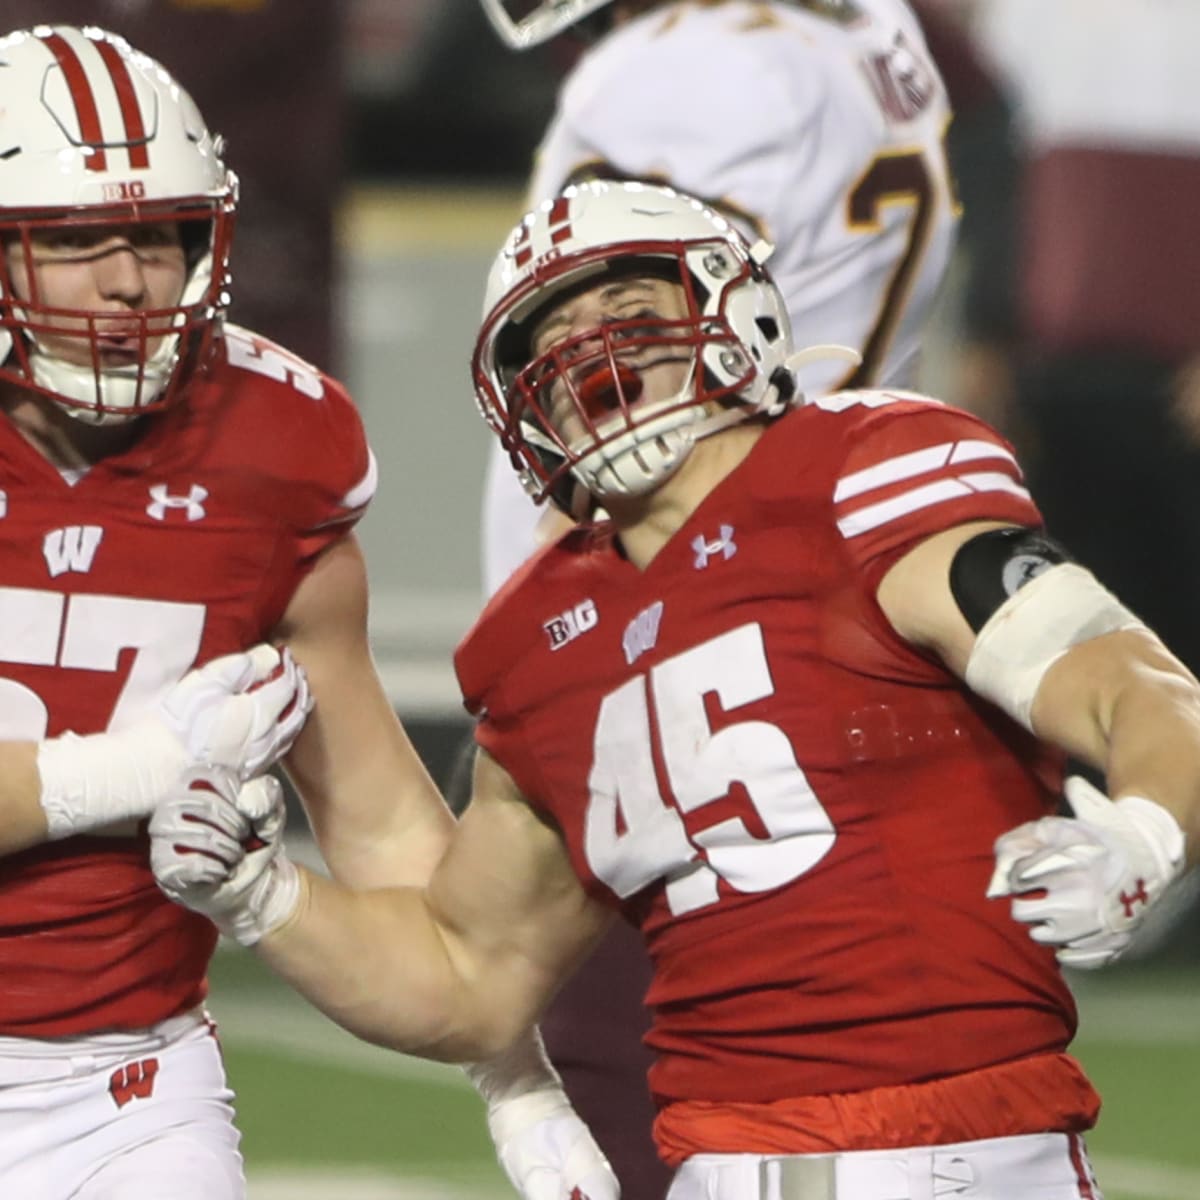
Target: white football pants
column 1043, row 1166
column 119, row 1116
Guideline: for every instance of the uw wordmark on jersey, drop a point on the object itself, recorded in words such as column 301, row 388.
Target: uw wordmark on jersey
column 795, row 806
column 186, row 547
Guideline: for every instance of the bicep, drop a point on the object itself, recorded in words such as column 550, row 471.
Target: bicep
column 916, row 597
column 507, row 897
column 375, row 812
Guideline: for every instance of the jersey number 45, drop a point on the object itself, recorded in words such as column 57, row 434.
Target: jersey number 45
column 633, row 837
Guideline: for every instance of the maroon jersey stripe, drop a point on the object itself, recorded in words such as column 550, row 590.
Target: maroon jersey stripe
column 131, row 113
column 81, row 95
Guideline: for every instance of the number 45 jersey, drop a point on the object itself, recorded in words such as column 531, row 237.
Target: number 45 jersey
column 795, row 806
column 187, row 546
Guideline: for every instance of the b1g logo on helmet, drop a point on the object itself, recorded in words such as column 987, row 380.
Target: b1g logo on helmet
column 127, row 189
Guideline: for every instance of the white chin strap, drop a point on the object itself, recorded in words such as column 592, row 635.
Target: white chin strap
column 640, row 459
column 117, row 391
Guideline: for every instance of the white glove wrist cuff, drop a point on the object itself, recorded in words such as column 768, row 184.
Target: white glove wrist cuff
column 1162, row 833
column 508, row 1119
column 517, row 1071
column 92, row 781
column 270, row 904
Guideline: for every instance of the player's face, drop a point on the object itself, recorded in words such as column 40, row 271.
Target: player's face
column 594, row 329
column 113, row 273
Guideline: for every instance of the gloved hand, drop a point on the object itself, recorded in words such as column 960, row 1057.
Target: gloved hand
column 240, row 712
column 544, row 1147
column 217, row 848
column 1099, row 871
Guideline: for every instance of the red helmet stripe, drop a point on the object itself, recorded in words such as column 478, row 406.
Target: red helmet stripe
column 560, row 210
column 131, row 113
column 81, row 95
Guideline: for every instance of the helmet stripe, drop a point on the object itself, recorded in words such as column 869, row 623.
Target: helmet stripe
column 81, row 95
column 131, row 113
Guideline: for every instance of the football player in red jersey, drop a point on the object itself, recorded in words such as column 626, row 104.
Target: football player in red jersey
column 174, row 489
column 796, row 705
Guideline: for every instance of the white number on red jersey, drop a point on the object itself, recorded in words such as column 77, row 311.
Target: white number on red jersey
column 247, row 354
column 633, row 836
column 88, row 633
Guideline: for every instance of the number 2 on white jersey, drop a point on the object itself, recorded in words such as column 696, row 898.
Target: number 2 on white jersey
column 633, row 837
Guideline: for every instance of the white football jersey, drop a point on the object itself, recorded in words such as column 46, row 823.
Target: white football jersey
column 819, row 125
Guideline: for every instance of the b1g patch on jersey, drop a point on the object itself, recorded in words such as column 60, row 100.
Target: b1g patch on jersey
column 566, row 626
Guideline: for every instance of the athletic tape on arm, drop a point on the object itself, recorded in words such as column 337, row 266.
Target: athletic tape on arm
column 1034, row 628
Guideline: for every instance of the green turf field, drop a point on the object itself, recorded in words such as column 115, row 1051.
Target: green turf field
column 326, row 1117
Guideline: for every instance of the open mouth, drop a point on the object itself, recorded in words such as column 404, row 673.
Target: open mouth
column 606, row 389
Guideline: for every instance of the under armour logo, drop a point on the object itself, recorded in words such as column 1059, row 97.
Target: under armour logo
column 705, row 549
column 161, row 500
column 134, row 1081
column 1139, row 896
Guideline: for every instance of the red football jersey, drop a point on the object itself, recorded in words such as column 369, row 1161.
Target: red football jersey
column 185, row 547
column 795, row 806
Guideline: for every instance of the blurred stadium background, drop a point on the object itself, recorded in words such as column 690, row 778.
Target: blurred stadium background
column 382, row 145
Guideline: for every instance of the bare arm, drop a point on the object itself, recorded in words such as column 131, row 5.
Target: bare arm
column 456, row 971
column 1120, row 702
column 22, row 818
column 376, row 814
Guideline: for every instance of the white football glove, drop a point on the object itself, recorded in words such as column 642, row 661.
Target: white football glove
column 216, row 847
column 1100, row 872
column 545, row 1149
column 240, row 712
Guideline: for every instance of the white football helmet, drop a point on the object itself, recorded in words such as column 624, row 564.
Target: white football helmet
column 735, row 334
column 95, row 133
column 525, row 23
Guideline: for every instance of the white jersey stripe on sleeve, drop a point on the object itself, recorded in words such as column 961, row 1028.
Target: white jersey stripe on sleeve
column 975, row 448
column 903, row 466
column 873, row 515
column 995, row 481
column 364, row 489
column 916, row 462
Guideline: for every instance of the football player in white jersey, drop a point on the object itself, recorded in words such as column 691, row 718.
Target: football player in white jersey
column 174, row 488
column 816, row 125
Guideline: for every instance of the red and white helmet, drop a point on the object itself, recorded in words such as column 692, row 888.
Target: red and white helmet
column 525, row 23
column 96, row 133
column 735, row 334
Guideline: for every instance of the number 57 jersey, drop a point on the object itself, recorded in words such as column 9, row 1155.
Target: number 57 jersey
column 186, row 546
column 795, row 806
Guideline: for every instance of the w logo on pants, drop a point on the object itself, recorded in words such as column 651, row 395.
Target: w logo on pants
column 133, row 1081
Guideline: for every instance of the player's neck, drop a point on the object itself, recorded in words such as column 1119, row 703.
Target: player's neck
column 645, row 524
column 64, row 441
